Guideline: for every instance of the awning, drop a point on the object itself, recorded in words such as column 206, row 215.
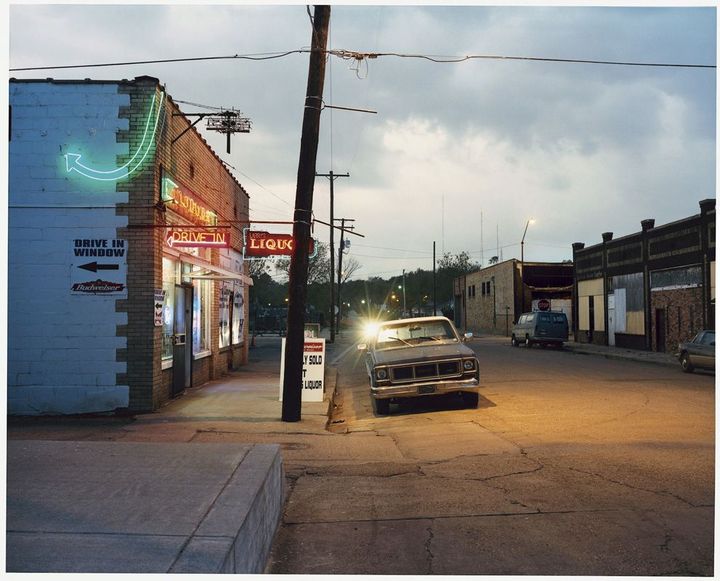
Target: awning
column 210, row 271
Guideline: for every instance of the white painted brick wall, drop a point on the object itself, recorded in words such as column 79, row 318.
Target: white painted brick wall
column 61, row 347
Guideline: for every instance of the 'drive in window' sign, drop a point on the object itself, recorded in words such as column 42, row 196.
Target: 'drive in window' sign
column 98, row 266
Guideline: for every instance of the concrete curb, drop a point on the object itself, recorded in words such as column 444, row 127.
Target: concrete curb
column 331, row 374
column 254, row 499
column 655, row 360
column 599, row 351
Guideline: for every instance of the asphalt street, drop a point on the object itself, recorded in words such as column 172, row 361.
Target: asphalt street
column 571, row 465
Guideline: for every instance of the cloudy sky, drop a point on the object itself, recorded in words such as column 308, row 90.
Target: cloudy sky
column 583, row 149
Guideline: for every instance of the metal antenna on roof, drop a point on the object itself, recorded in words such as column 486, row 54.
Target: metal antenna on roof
column 227, row 121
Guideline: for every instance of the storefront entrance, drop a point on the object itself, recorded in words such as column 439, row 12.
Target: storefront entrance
column 182, row 339
column 660, row 330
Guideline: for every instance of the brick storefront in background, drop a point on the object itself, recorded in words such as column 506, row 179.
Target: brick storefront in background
column 74, row 354
column 661, row 281
column 682, row 313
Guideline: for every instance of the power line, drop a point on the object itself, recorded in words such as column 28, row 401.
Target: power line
column 198, row 105
column 258, row 184
column 457, row 59
column 251, row 57
column 363, row 56
column 396, row 249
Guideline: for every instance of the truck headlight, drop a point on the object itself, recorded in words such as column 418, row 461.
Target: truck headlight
column 381, row 373
column 468, row 365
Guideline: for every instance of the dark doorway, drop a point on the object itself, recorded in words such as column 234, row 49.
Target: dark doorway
column 660, row 330
column 182, row 339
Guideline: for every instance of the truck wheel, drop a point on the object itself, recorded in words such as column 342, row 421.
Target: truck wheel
column 382, row 407
column 685, row 364
column 528, row 342
column 514, row 341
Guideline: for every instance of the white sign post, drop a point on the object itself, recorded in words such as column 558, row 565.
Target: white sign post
column 313, row 373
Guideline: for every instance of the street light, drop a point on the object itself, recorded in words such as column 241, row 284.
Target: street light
column 522, row 264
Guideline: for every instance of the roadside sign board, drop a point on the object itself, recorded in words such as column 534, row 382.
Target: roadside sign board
column 98, row 266
column 313, row 373
column 158, row 306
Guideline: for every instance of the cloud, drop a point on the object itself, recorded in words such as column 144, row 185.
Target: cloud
column 582, row 148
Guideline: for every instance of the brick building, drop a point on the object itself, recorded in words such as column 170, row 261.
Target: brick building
column 491, row 299
column 126, row 278
column 649, row 290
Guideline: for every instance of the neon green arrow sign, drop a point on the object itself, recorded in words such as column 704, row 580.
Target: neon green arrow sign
column 73, row 163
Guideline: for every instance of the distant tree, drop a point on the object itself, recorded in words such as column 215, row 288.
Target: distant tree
column 459, row 262
column 350, row 267
column 318, row 267
column 260, row 266
column 451, row 266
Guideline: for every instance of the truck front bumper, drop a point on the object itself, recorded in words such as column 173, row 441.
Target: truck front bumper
column 425, row 388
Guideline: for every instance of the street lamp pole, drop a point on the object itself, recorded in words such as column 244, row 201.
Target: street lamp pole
column 522, row 265
column 404, row 305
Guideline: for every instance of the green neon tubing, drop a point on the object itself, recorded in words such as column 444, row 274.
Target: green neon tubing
column 72, row 160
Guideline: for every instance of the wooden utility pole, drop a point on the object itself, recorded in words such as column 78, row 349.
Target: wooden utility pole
column 297, row 286
column 340, row 255
column 434, row 284
column 333, row 177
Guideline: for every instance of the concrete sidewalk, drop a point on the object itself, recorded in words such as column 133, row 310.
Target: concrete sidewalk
column 618, row 353
column 622, row 353
column 161, row 492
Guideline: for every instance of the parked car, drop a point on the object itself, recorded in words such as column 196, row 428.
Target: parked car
column 542, row 327
column 698, row 352
column 419, row 357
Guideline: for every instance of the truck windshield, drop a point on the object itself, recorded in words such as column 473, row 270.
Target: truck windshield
column 404, row 334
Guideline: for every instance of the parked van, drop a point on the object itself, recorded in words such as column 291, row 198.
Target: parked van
column 542, row 327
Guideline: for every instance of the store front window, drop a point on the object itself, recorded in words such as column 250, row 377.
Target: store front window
column 238, row 315
column 202, row 295
column 226, row 296
column 170, row 269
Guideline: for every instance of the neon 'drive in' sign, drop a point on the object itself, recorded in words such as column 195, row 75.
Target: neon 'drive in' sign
column 260, row 244
column 179, row 238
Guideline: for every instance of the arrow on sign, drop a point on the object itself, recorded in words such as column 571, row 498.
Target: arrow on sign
column 94, row 266
column 72, row 160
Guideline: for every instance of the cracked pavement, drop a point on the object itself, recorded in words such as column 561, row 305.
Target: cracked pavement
column 569, row 466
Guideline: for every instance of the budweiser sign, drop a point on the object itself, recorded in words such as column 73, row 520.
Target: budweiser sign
column 98, row 287
column 263, row 244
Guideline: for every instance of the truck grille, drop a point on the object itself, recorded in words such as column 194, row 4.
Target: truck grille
column 422, row 371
